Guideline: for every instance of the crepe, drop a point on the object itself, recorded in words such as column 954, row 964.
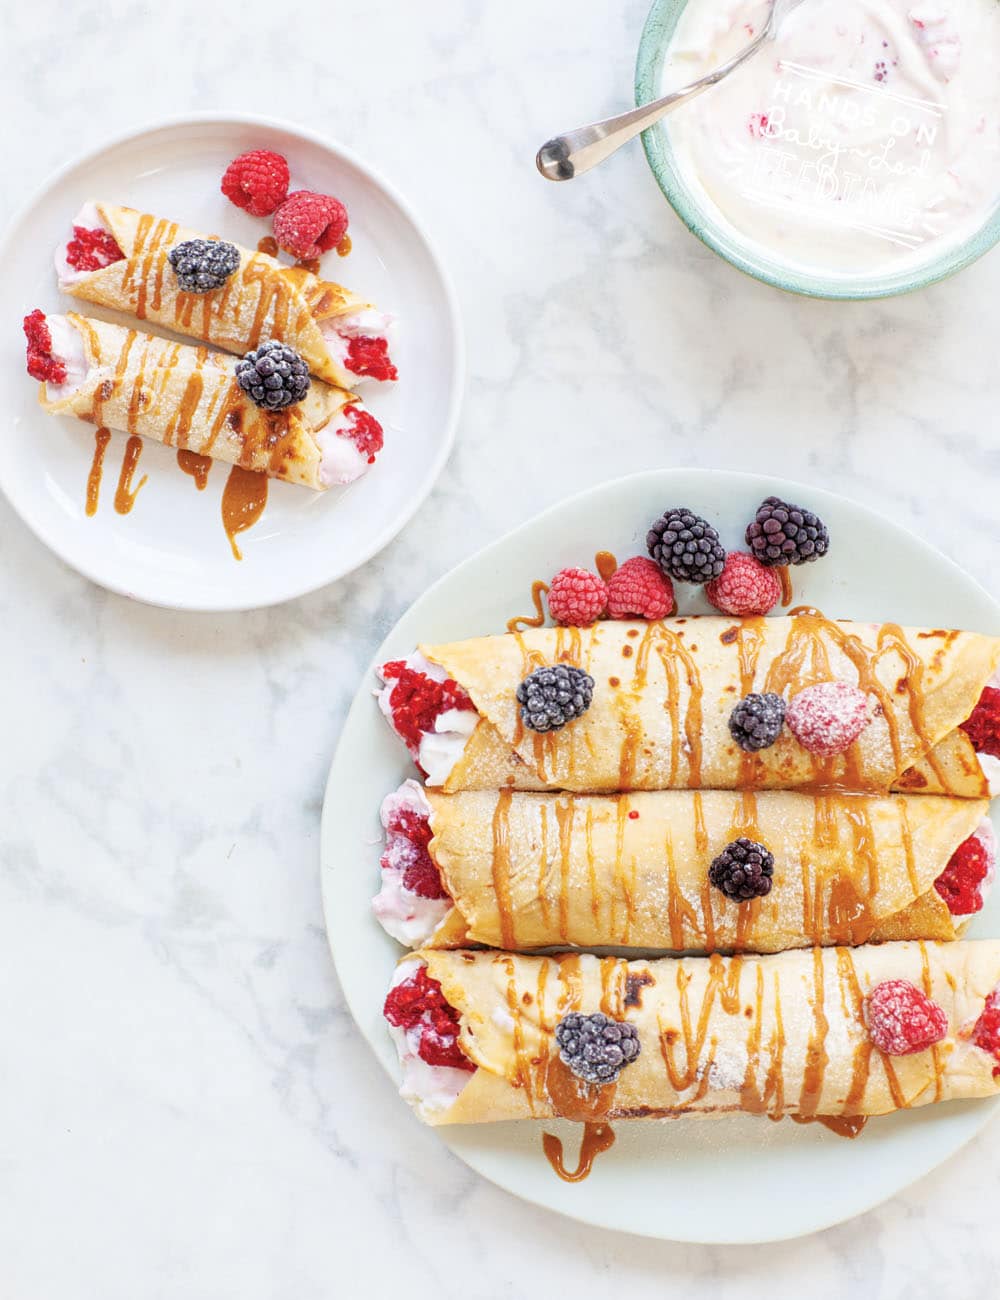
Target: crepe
column 780, row 1035
column 632, row 871
column 188, row 398
column 263, row 299
column 664, row 691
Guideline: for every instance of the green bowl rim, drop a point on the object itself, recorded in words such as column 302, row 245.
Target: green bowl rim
column 656, row 36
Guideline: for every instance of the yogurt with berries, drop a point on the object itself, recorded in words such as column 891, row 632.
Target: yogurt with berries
column 863, row 141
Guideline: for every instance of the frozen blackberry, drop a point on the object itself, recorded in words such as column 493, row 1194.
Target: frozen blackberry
column 757, row 720
column 595, row 1047
column 686, row 547
column 551, row 697
column 786, row 534
column 743, row 870
column 275, row 375
column 203, row 264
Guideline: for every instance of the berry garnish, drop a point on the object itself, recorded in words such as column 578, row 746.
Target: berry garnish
column 743, row 870
column 595, row 1047
column 202, row 265
column 986, row 1033
column 257, row 182
column 828, row 718
column 419, row 1002
column 408, row 836
column 308, row 225
column 639, row 589
column 417, row 701
column 42, row 364
column 786, row 534
column 902, row 1019
column 744, row 587
column 757, row 720
column 274, row 376
column 92, row 250
column 551, row 697
column 577, row 597
column 364, row 430
column 983, row 726
column 960, row 884
column 369, row 357
column 686, row 547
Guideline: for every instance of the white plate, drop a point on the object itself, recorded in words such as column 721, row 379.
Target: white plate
column 733, row 1179
column 171, row 550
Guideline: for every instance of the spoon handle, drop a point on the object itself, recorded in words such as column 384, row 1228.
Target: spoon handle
column 575, row 152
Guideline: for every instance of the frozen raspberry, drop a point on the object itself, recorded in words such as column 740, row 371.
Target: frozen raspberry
column 408, row 836
column 828, row 718
column 959, row 884
column 744, row 587
column 986, row 1033
column 92, row 250
column 41, row 363
column 418, row 1003
column 983, row 727
column 364, row 430
column 577, row 597
column 307, row 224
column 902, row 1019
column 641, row 589
column 417, row 701
column 411, row 825
column 370, row 357
column 257, row 182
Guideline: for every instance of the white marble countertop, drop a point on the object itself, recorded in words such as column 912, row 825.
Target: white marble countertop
column 189, row 1111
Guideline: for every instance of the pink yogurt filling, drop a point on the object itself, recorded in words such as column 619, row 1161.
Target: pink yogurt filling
column 430, row 713
column 412, row 901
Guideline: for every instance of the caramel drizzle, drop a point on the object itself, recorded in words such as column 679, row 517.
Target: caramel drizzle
column 501, row 869
column 243, row 500
column 197, row 466
column 125, row 494
column 531, row 620
column 101, row 439
column 597, row 1138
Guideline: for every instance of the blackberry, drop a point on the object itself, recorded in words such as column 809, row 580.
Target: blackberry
column 596, row 1048
column 743, row 870
column 275, row 375
column 203, row 264
column 686, row 547
column 551, row 697
column 786, row 534
column 757, row 720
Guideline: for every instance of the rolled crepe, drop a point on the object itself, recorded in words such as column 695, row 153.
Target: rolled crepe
column 523, row 871
column 262, row 299
column 784, row 1034
column 664, row 692
column 189, row 398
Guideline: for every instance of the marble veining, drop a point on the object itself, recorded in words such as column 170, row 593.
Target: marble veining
column 189, row 1110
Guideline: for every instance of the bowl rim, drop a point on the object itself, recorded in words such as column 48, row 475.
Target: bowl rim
column 657, row 33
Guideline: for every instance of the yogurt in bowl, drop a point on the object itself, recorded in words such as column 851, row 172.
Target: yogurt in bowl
column 855, row 155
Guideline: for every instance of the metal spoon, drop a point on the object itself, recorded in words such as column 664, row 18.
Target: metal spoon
column 575, row 152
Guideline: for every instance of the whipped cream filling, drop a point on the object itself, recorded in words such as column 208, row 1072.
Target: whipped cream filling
column 341, row 462
column 865, row 139
column 410, row 918
column 369, row 323
column 90, row 219
column 67, row 345
column 431, row 1087
column 441, row 748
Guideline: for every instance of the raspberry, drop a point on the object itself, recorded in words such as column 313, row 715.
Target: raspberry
column 417, row 701
column 408, row 836
column 744, row 587
column 370, row 356
column 41, row 363
column 577, row 597
column 364, row 430
column 902, row 1019
column 986, row 1033
column 92, row 250
column 640, row 588
column 418, row 1003
column 309, row 224
column 257, row 182
column 411, row 825
column 828, row 718
column 959, row 883
column 983, row 726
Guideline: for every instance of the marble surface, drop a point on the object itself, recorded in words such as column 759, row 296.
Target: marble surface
column 189, row 1111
